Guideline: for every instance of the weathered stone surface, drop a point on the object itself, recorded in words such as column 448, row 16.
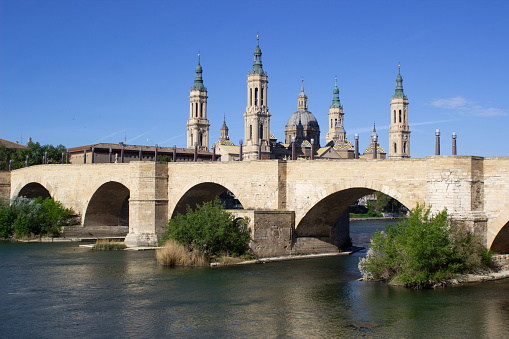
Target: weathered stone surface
column 5, row 185
column 474, row 190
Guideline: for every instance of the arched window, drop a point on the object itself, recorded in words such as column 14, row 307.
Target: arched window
column 404, row 148
column 395, row 148
column 394, row 116
column 261, row 96
column 202, row 110
column 256, row 96
column 196, row 110
column 260, row 133
column 399, row 115
column 250, row 132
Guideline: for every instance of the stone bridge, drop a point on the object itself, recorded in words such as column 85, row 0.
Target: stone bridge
column 291, row 204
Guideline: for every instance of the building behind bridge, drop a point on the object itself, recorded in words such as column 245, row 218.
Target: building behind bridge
column 112, row 153
column 302, row 131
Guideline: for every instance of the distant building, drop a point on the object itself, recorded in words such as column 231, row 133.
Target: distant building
column 12, row 145
column 105, row 153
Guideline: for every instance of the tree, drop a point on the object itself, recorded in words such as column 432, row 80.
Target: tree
column 35, row 153
column 385, row 203
column 423, row 250
column 209, row 229
column 24, row 217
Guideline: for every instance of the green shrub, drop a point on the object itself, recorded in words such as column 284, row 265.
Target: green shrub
column 423, row 250
column 106, row 245
column 209, row 229
column 23, row 217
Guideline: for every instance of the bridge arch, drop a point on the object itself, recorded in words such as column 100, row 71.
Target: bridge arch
column 325, row 217
column 33, row 190
column 498, row 233
column 108, row 206
column 198, row 194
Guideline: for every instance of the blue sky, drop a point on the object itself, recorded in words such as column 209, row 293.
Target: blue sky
column 82, row 72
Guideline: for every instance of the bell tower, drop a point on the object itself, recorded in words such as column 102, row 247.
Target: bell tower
column 257, row 116
column 198, row 125
column 336, row 130
column 399, row 131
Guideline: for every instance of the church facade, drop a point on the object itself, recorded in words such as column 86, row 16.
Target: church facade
column 302, row 131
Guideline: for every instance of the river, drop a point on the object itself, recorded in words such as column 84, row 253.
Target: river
column 61, row 290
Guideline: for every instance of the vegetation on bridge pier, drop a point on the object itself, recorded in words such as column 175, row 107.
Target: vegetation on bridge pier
column 206, row 233
column 424, row 250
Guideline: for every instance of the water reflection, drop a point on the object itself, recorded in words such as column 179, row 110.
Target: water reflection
column 60, row 290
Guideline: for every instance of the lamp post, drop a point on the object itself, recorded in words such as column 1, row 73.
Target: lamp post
column 437, row 142
column 312, row 149
column 453, row 143
column 375, row 146
column 240, row 150
column 293, row 148
column 356, row 153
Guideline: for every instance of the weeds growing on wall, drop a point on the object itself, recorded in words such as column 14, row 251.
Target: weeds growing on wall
column 423, row 250
column 26, row 218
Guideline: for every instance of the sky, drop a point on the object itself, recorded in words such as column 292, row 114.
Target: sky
column 76, row 72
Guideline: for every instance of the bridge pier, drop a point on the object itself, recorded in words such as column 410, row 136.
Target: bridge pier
column 148, row 203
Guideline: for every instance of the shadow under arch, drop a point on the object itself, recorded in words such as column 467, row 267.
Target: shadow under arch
column 201, row 193
column 328, row 219
column 34, row 190
column 109, row 206
column 500, row 243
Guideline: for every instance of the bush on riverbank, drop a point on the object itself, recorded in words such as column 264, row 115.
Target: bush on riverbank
column 210, row 230
column 423, row 250
column 26, row 218
column 174, row 254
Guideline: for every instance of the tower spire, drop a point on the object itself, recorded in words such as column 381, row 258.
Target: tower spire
column 257, row 65
column 335, row 95
column 399, row 85
column 198, row 81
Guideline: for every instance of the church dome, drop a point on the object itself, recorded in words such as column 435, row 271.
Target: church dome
column 305, row 117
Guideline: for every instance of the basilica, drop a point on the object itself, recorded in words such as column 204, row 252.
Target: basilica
column 302, row 131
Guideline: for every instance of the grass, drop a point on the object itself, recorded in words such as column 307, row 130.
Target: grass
column 106, row 245
column 174, row 254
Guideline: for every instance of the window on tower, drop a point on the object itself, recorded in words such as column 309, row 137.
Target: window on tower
column 256, row 96
column 395, row 148
column 260, row 134
column 399, row 115
column 250, row 132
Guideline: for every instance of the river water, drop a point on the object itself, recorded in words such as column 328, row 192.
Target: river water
column 60, row 290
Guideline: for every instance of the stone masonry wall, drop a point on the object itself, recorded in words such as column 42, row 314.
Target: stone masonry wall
column 5, row 185
column 271, row 231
